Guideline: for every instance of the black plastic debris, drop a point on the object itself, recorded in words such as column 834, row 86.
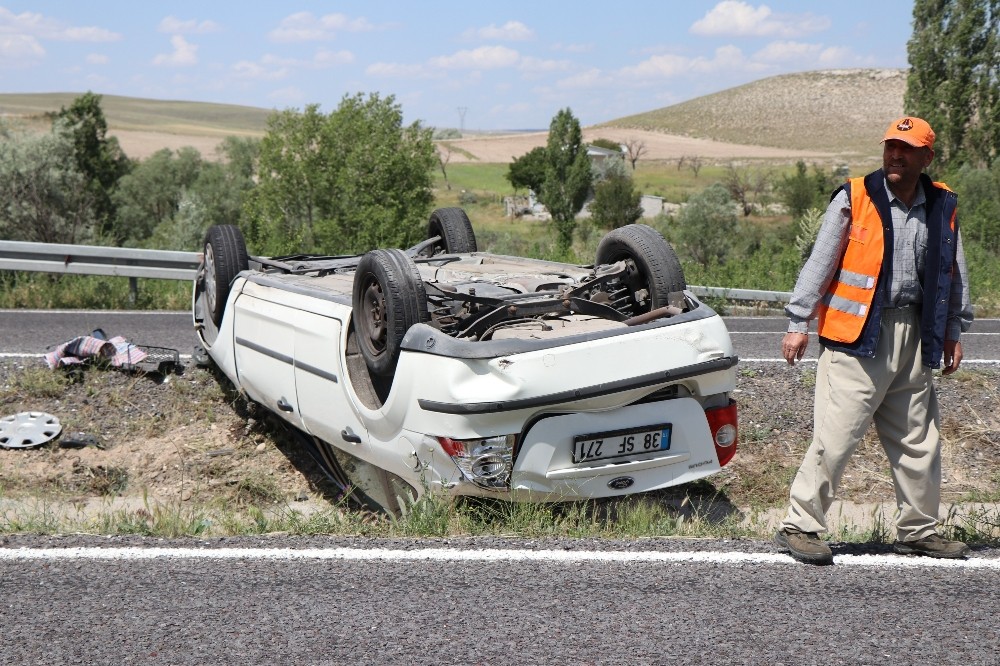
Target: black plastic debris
column 79, row 440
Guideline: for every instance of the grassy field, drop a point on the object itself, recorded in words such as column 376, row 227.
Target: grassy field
column 130, row 113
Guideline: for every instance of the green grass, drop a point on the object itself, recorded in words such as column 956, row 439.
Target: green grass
column 97, row 292
column 436, row 516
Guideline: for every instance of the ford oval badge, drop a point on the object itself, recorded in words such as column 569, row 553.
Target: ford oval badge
column 621, row 482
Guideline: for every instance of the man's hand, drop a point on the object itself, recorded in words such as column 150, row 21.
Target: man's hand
column 793, row 347
column 952, row 356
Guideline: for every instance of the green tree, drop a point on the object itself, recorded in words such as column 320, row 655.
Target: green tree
column 150, row 195
column 98, row 157
column 528, row 170
column 281, row 211
column 954, row 56
column 616, row 201
column 706, row 227
column 347, row 182
column 801, row 191
column 567, row 176
column 979, row 204
column 382, row 177
column 44, row 197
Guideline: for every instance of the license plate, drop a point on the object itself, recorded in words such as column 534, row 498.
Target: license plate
column 621, row 443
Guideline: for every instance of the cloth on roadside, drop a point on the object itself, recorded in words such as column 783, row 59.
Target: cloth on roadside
column 117, row 351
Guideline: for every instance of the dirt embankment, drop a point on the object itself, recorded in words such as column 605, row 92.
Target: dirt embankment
column 185, row 437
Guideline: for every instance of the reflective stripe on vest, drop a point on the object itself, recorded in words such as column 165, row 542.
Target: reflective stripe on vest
column 845, row 306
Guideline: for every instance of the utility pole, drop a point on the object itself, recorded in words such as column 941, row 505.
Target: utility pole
column 461, row 118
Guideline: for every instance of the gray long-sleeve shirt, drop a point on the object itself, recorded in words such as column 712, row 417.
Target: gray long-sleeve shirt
column 909, row 226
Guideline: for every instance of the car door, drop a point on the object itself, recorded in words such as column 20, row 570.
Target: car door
column 264, row 349
column 320, row 383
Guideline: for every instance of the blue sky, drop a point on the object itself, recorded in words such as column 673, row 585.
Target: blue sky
column 476, row 64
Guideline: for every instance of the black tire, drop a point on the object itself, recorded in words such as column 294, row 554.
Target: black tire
column 225, row 258
column 653, row 264
column 388, row 298
column 455, row 230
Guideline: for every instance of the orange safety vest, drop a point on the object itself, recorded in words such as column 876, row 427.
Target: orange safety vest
column 845, row 307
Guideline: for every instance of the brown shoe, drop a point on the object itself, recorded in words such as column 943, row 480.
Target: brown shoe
column 804, row 546
column 932, row 546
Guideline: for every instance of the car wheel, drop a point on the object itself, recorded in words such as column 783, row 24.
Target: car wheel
column 452, row 225
column 225, row 258
column 654, row 275
column 388, row 298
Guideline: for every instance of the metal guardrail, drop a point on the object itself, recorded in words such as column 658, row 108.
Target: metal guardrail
column 98, row 260
column 742, row 294
column 173, row 265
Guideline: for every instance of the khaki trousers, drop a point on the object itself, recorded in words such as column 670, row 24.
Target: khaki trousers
column 895, row 390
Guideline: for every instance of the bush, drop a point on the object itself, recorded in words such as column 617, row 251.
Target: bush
column 616, row 202
column 705, row 228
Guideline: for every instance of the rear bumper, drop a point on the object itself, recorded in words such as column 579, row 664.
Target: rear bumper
column 543, row 467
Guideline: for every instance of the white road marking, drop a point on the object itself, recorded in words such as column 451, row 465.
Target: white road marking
column 179, row 313
column 26, row 355
column 485, row 555
column 966, row 361
column 813, row 335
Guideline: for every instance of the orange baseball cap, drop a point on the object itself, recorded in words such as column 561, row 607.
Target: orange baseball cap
column 912, row 130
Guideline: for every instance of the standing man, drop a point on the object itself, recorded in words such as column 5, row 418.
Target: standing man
column 887, row 281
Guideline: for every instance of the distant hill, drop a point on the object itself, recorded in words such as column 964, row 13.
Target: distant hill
column 832, row 111
column 149, row 115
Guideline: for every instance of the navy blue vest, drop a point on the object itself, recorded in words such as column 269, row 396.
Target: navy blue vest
column 942, row 247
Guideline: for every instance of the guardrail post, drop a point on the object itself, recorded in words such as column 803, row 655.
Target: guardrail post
column 133, row 290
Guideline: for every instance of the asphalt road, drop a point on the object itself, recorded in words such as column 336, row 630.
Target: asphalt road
column 476, row 601
column 37, row 331
column 486, row 601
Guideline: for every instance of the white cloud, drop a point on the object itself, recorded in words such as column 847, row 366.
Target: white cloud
column 511, row 31
column 28, row 24
column 591, row 78
column 19, row 49
column 325, row 58
column 306, row 27
column 255, row 71
column 788, row 52
column 397, row 70
column 573, row 48
column 668, row 65
column 185, row 54
column 805, row 55
column 175, row 26
column 737, row 18
column 532, row 65
column 97, row 59
column 271, row 67
column 485, row 57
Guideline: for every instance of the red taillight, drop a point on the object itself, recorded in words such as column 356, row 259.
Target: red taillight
column 452, row 447
column 723, row 424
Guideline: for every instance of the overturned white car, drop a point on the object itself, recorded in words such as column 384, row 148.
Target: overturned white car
column 443, row 368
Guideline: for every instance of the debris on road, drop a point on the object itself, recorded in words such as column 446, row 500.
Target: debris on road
column 117, row 352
